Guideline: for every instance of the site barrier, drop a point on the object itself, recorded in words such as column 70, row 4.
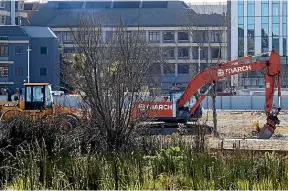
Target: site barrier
column 222, row 102
column 243, row 102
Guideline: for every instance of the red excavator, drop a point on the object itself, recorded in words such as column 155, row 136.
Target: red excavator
column 176, row 110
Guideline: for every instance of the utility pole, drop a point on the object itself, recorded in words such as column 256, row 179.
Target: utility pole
column 28, row 64
column 199, row 64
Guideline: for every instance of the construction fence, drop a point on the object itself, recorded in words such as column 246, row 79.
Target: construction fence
column 243, row 102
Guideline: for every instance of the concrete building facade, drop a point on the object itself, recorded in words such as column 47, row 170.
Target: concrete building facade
column 43, row 56
column 163, row 25
column 257, row 27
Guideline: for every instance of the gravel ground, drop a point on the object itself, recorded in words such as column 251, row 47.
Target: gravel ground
column 233, row 126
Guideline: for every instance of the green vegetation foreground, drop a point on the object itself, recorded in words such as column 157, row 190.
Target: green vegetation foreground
column 44, row 158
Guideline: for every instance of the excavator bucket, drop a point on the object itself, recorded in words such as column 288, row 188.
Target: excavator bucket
column 265, row 133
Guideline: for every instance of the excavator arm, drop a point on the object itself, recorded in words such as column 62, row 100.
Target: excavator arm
column 212, row 74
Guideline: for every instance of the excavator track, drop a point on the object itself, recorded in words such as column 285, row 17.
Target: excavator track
column 162, row 128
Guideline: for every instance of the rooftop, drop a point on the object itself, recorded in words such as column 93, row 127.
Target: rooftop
column 133, row 13
column 31, row 31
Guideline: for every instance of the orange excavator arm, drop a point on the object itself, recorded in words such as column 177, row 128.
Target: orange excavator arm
column 212, row 74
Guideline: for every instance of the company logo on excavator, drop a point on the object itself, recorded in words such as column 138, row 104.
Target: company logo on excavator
column 236, row 69
column 155, row 107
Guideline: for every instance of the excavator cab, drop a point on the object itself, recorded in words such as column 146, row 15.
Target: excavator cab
column 38, row 96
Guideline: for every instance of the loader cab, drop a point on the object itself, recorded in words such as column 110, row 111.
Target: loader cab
column 38, row 96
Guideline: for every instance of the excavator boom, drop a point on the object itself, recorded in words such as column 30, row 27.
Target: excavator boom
column 215, row 73
column 212, row 74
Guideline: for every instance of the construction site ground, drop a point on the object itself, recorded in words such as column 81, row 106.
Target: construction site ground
column 235, row 130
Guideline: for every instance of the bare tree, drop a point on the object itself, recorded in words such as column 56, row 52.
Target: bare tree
column 111, row 73
column 208, row 38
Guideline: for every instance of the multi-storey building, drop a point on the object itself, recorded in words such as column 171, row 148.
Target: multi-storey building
column 12, row 12
column 16, row 42
column 163, row 23
column 256, row 27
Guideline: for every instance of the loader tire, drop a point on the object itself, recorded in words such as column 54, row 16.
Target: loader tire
column 68, row 122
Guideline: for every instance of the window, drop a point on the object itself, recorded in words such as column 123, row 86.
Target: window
column 284, row 47
column 67, row 37
column 28, row 94
column 154, row 36
column 241, row 9
column 216, row 36
column 183, row 68
column 265, row 30
column 216, row 52
column 37, row 94
column 251, row 20
column 183, row 36
column 261, row 81
column 140, row 34
column 3, row 18
column 284, row 28
column 251, row 8
column 254, row 81
column 200, row 36
column 251, row 31
column 43, row 71
column 275, row 30
column 4, row 71
column 203, row 53
column 169, row 53
column 284, row 9
column 241, row 31
column 275, row 9
column 2, row 4
column 247, row 81
column 251, row 46
column 18, row 71
column 265, row 20
column 169, row 68
column 155, row 69
column 241, row 20
column 241, row 47
column 275, row 43
column 265, row 9
column 43, row 50
column 168, row 36
column 19, row 50
column 183, row 53
column 3, row 50
column 204, row 66
column 251, row 39
column 275, row 20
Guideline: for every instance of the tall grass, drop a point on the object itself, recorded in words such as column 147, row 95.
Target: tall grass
column 170, row 168
column 44, row 158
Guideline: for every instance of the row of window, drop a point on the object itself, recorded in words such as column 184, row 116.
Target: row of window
column 19, row 71
column 170, row 68
column 168, row 36
column 4, row 50
column 264, row 31
column 264, row 45
column 264, row 7
column 184, row 52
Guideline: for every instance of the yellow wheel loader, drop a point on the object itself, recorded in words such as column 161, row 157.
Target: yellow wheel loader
column 38, row 104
